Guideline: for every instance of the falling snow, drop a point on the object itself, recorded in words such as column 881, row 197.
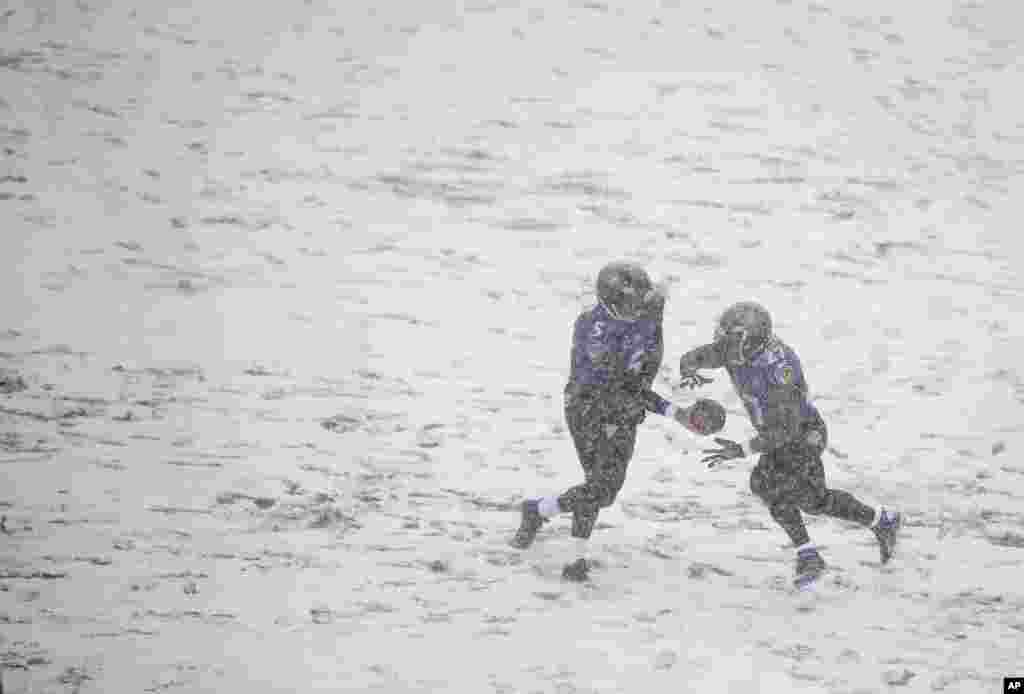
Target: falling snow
column 288, row 293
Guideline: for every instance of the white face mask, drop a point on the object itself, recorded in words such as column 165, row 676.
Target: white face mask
column 637, row 306
column 655, row 301
column 739, row 347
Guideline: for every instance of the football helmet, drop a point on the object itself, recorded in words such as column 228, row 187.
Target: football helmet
column 627, row 293
column 743, row 331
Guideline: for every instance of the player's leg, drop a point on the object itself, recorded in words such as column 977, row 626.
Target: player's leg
column 815, row 497
column 587, row 424
column 769, row 483
column 581, row 419
column 812, row 496
column 773, row 481
column 614, row 446
column 843, row 505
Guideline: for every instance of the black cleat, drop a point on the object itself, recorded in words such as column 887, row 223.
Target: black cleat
column 578, row 571
column 888, row 525
column 530, row 524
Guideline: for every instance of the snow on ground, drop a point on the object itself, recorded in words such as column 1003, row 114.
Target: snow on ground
column 288, row 292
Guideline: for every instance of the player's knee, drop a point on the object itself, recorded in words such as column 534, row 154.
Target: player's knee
column 610, row 490
column 787, row 516
column 815, row 503
column 606, row 483
column 608, row 496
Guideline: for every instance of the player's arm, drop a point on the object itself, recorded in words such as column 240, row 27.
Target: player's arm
column 592, row 351
column 704, row 417
column 580, row 335
column 710, row 356
column 640, row 365
column 643, row 365
column 782, row 423
column 575, row 347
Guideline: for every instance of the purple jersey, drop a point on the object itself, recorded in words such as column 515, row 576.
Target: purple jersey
column 617, row 357
column 778, row 365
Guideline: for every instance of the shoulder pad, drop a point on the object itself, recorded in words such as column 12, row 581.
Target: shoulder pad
column 768, row 357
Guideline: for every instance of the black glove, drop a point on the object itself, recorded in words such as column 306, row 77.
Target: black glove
column 729, row 450
column 694, row 380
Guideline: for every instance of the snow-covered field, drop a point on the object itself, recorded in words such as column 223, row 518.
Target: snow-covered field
column 287, row 297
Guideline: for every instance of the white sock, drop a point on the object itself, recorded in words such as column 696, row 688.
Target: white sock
column 548, row 506
column 806, row 545
column 878, row 517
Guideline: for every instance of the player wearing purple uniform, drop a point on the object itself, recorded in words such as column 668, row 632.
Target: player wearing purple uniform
column 617, row 349
column 791, row 434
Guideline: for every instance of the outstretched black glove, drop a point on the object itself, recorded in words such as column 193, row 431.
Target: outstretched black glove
column 730, row 450
column 694, row 380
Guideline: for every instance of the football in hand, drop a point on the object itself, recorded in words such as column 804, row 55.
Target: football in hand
column 706, row 417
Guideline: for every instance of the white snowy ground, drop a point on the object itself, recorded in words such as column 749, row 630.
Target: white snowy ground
column 287, row 298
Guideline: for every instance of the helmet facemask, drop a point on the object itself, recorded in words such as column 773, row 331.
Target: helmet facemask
column 738, row 346
column 652, row 305
column 627, row 294
column 635, row 305
column 743, row 331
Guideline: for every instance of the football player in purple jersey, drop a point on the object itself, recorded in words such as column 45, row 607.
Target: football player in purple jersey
column 617, row 349
column 791, row 435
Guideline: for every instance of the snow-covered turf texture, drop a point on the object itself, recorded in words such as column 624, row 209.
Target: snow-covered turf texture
column 287, row 298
